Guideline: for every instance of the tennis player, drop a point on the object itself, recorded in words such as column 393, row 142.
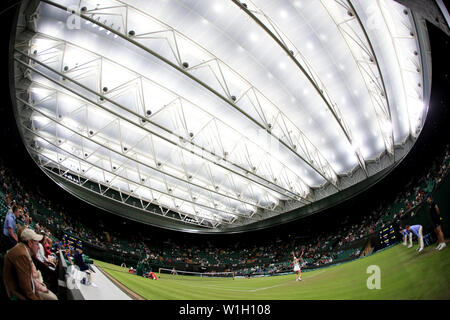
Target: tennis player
column 297, row 267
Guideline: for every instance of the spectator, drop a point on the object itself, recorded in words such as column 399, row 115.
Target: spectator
column 8, row 199
column 18, row 267
column 47, row 244
column 40, row 286
column 40, row 255
column 47, row 269
column 9, row 228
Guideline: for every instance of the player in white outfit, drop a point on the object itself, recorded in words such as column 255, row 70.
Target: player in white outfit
column 297, row 267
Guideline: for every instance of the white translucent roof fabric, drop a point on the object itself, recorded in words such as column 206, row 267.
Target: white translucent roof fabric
column 223, row 112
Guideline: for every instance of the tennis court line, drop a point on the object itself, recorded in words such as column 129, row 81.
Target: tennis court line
column 226, row 289
column 278, row 285
column 265, row 288
column 259, row 289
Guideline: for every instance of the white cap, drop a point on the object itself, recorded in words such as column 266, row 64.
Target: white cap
column 29, row 234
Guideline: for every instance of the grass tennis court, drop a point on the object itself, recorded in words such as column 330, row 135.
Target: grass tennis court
column 405, row 274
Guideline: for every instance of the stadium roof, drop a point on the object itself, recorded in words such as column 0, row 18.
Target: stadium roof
column 219, row 116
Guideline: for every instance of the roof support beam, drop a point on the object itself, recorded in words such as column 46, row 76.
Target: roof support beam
column 376, row 91
column 79, row 159
column 326, row 173
column 309, row 74
column 286, row 193
column 32, row 107
column 392, row 149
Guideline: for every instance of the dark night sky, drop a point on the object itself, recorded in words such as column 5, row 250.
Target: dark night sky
column 434, row 137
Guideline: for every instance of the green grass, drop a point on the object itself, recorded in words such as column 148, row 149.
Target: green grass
column 405, row 274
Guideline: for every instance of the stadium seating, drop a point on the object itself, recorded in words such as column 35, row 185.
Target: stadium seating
column 333, row 247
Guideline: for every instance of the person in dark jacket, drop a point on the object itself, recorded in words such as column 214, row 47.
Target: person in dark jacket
column 436, row 219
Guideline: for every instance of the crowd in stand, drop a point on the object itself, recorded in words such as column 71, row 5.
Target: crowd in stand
column 29, row 250
column 50, row 220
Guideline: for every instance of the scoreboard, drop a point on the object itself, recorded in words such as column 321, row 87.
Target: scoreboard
column 72, row 240
column 387, row 236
